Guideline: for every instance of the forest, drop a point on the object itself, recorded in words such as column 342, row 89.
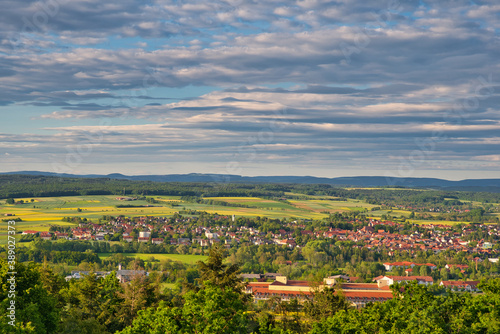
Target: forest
column 16, row 186
column 216, row 303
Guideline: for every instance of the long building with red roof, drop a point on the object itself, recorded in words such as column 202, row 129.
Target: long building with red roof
column 358, row 294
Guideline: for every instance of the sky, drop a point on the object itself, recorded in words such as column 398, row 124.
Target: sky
column 251, row 87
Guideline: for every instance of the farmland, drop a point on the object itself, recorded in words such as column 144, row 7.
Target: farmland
column 43, row 212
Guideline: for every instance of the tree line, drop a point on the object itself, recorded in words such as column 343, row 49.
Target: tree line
column 21, row 186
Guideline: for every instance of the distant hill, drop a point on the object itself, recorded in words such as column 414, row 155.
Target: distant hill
column 488, row 185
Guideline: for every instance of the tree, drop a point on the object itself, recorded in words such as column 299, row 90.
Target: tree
column 137, row 295
column 53, row 283
column 182, row 249
column 424, row 270
column 83, row 295
column 491, row 286
column 324, row 303
column 211, row 310
column 215, row 272
column 444, row 274
column 111, row 304
column 35, row 307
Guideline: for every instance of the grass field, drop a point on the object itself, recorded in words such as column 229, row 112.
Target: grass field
column 189, row 259
column 4, row 238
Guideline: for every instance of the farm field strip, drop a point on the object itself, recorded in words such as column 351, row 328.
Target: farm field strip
column 331, row 206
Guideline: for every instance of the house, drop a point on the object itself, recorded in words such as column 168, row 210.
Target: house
column 30, row 232
column 45, row 235
column 460, row 285
column 128, row 238
column 157, row 241
column 144, row 234
column 211, row 235
column 128, row 275
column 61, row 235
column 487, row 245
column 204, row 242
column 184, row 241
column 143, row 239
column 459, row 266
column 81, row 233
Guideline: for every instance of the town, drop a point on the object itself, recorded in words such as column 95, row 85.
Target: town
column 197, row 233
column 369, row 233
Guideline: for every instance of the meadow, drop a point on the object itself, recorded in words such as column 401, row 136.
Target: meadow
column 184, row 258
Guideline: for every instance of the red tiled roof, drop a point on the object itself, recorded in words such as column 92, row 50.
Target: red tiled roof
column 360, row 286
column 266, row 291
column 460, row 283
column 351, row 294
column 411, row 278
column 292, row 283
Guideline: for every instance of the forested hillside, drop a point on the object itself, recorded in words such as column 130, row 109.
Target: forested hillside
column 12, row 186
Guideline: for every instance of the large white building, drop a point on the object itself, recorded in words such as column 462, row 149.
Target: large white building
column 390, row 280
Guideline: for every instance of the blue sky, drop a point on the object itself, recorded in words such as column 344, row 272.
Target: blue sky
column 322, row 88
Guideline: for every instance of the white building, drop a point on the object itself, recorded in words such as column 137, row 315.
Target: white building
column 144, row 234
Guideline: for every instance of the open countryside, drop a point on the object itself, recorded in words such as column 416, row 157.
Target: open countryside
column 39, row 213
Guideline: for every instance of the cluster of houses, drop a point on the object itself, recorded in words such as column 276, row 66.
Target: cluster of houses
column 438, row 238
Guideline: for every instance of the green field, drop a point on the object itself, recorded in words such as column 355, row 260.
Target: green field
column 188, row 258
column 43, row 212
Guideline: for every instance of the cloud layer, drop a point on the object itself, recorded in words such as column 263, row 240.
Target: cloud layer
column 252, row 87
